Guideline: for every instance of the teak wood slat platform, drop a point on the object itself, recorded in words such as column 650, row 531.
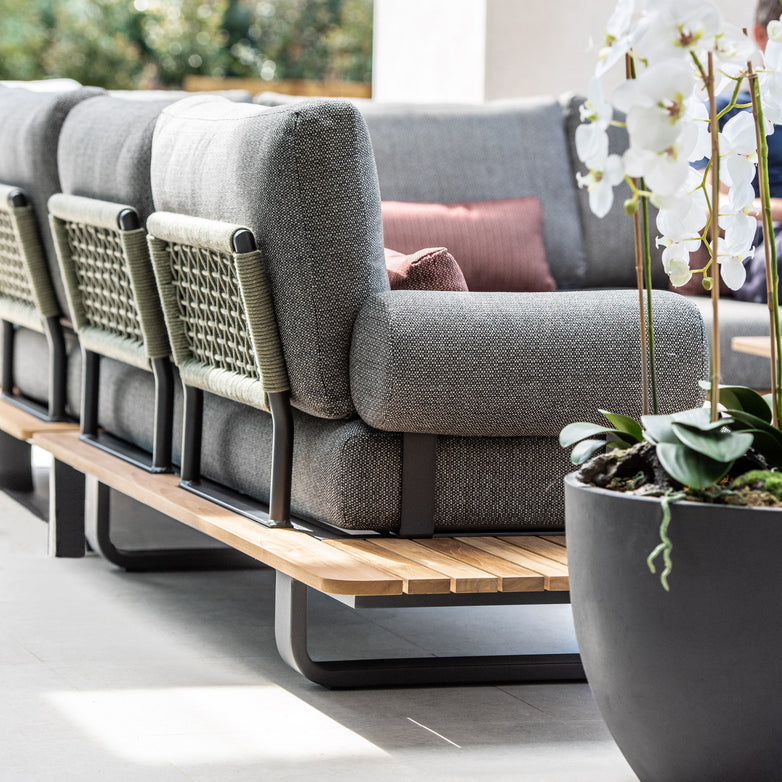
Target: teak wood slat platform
column 361, row 572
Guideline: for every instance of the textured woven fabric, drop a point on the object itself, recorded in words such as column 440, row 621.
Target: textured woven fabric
column 30, row 125
column 348, row 474
column 302, row 179
column 739, row 319
column 105, row 150
column 499, row 244
column 431, row 269
column 609, row 241
column 498, row 150
column 516, row 364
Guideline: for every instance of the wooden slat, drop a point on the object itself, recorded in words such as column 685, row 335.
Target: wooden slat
column 511, row 577
column 416, row 578
column 464, row 578
column 755, row 346
column 23, row 426
column 560, row 540
column 292, row 552
column 555, row 575
column 543, row 547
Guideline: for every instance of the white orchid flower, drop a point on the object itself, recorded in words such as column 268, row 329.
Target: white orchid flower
column 682, row 219
column 656, row 103
column 596, row 108
column 732, row 269
column 740, row 229
column 621, row 33
column 591, row 142
column 676, row 262
column 676, row 28
column 604, row 174
column 697, row 120
column 732, row 49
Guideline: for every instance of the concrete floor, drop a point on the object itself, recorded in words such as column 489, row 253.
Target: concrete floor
column 106, row 675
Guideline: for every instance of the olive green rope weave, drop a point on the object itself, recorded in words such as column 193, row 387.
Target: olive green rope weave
column 26, row 293
column 98, row 266
column 220, row 320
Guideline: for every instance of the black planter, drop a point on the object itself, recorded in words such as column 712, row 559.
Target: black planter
column 688, row 681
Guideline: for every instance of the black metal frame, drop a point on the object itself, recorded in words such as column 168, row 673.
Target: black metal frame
column 160, row 459
column 66, row 511
column 279, row 508
column 54, row 408
column 98, row 531
column 291, row 636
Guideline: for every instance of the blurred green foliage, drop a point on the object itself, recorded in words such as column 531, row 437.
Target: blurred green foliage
column 124, row 44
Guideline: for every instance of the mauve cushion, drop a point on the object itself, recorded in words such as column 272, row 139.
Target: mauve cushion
column 499, row 244
column 432, row 269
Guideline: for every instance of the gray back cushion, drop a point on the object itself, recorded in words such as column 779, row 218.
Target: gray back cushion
column 303, row 179
column 30, row 125
column 106, row 148
column 609, row 241
column 463, row 152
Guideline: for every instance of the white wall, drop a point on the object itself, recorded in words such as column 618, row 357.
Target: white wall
column 473, row 50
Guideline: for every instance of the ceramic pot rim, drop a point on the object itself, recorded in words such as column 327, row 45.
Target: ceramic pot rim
column 572, row 480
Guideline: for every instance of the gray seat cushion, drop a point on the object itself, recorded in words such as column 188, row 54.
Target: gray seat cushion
column 105, row 150
column 303, row 179
column 30, row 125
column 347, row 474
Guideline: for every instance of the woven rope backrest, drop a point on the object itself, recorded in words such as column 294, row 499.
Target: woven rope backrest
column 108, row 279
column 14, row 280
column 26, row 292
column 211, row 309
column 218, row 309
column 103, row 282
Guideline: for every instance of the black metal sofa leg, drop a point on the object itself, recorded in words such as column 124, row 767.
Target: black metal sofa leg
column 291, row 635
column 66, row 511
column 16, row 470
column 98, row 524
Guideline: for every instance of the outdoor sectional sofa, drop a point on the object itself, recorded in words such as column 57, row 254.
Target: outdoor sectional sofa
column 412, row 413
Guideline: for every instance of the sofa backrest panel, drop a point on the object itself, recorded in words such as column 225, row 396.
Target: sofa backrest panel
column 105, row 150
column 303, row 179
column 505, row 149
column 30, row 125
column 609, row 241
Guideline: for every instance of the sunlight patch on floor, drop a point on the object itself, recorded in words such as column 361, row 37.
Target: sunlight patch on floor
column 209, row 725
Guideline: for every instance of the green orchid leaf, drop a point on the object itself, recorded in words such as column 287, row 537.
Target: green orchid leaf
column 586, row 449
column 768, row 439
column 580, row 430
column 741, row 398
column 625, row 424
column 659, row 428
column 700, row 418
column 689, row 467
column 720, row 446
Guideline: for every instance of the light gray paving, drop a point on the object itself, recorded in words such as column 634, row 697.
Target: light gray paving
column 106, row 675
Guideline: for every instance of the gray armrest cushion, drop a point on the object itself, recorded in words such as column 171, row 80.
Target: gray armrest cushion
column 509, row 364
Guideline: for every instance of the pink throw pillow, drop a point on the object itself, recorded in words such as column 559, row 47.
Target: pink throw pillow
column 433, row 269
column 499, row 244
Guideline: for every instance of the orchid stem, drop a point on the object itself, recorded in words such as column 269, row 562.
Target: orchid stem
column 769, row 243
column 715, row 237
column 639, row 275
